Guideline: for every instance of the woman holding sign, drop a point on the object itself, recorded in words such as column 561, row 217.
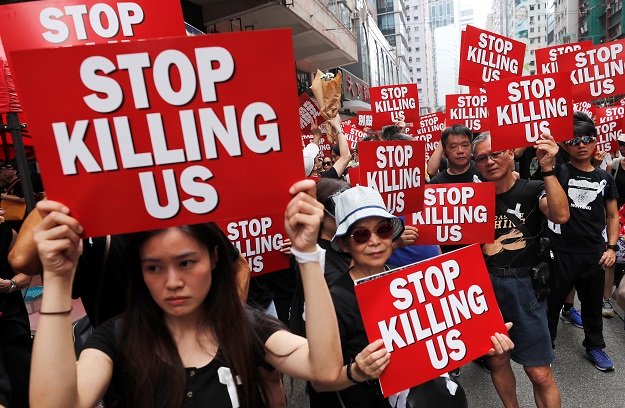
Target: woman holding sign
column 366, row 231
column 185, row 339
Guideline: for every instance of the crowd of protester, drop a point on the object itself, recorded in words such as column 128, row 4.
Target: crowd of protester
column 173, row 318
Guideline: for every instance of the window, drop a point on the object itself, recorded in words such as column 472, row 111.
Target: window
column 409, row 59
column 531, row 7
column 418, row 69
column 418, row 80
column 418, row 59
column 532, row 72
column 418, row 49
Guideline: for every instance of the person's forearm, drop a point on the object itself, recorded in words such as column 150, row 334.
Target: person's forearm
column 23, row 256
column 13, row 198
column 322, row 329
column 557, row 201
column 434, row 162
column 53, row 369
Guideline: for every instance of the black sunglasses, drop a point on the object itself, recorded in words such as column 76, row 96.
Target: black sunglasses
column 327, row 163
column 383, row 230
column 576, row 141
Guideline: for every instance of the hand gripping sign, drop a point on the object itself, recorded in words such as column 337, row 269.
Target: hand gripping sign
column 54, row 23
column 456, row 214
column 434, row 316
column 596, row 72
column 394, row 103
column 259, row 240
column 468, row 110
column 395, row 170
column 609, row 124
column 520, row 109
column 486, row 57
column 547, row 58
column 151, row 134
column 429, row 130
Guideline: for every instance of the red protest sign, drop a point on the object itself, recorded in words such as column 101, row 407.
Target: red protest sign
column 429, row 130
column 394, row 169
column 307, row 112
column 440, row 312
column 324, row 146
column 158, row 133
column 468, row 110
column 354, row 176
column 609, row 124
column 585, row 107
column 456, row 214
column 520, row 109
column 53, row 23
column 596, row 72
column 259, row 240
column 547, row 58
column 365, row 119
column 486, row 57
column 353, row 135
column 394, row 103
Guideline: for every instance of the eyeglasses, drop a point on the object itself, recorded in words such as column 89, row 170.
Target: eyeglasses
column 327, row 163
column 576, row 141
column 384, row 230
column 484, row 157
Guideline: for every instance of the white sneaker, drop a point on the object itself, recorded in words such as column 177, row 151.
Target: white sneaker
column 608, row 309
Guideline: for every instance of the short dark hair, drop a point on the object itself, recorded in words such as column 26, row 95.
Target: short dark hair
column 583, row 125
column 459, row 130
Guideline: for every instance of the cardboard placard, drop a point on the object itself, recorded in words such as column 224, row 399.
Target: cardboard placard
column 429, row 130
column 156, row 133
column 469, row 110
column 440, row 313
column 259, row 240
column 609, row 124
column 394, row 103
column 487, row 57
column 55, row 23
column 547, row 58
column 307, row 112
column 520, row 109
column 456, row 214
column 596, row 72
column 395, row 169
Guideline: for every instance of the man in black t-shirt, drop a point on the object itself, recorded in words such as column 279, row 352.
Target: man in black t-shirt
column 579, row 245
column 521, row 205
column 456, row 145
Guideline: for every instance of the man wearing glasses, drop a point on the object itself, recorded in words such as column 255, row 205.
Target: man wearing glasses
column 579, row 244
column 512, row 259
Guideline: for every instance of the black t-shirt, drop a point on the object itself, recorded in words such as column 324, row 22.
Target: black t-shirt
column 514, row 247
column 445, row 178
column 619, row 179
column 330, row 173
column 206, row 386
column 12, row 308
column 353, row 340
column 587, row 192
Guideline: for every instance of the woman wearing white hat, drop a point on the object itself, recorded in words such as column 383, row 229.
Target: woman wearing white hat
column 365, row 230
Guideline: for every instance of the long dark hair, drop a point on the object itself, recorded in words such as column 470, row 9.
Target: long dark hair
column 154, row 375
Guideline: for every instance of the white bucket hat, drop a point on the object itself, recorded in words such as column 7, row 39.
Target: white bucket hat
column 358, row 203
column 310, row 153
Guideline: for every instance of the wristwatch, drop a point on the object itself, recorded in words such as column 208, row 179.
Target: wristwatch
column 613, row 247
column 551, row 172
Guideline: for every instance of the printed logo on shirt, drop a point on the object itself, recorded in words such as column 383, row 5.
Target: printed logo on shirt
column 513, row 240
column 584, row 192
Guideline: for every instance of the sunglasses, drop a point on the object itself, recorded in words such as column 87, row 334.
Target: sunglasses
column 576, row 141
column 484, row 157
column 327, row 163
column 384, row 230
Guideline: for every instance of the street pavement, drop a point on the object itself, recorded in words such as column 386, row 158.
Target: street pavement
column 581, row 384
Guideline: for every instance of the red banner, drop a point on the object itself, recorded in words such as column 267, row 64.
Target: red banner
column 585, row 107
column 259, row 240
column 429, row 130
column 365, row 119
column 439, row 314
column 547, row 58
column 394, row 103
column 456, row 214
column 307, row 112
column 395, row 169
column 596, row 72
column 487, row 57
column 157, row 133
column 468, row 110
column 609, row 124
column 520, row 109
column 353, row 135
column 46, row 24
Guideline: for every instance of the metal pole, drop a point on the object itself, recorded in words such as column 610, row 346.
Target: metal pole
column 22, row 163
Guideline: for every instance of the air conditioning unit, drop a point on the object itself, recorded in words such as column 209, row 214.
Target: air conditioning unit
column 355, row 15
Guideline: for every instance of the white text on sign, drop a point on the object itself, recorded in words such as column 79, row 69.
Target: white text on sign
column 395, row 101
column 492, row 52
column 252, row 239
column 599, row 67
